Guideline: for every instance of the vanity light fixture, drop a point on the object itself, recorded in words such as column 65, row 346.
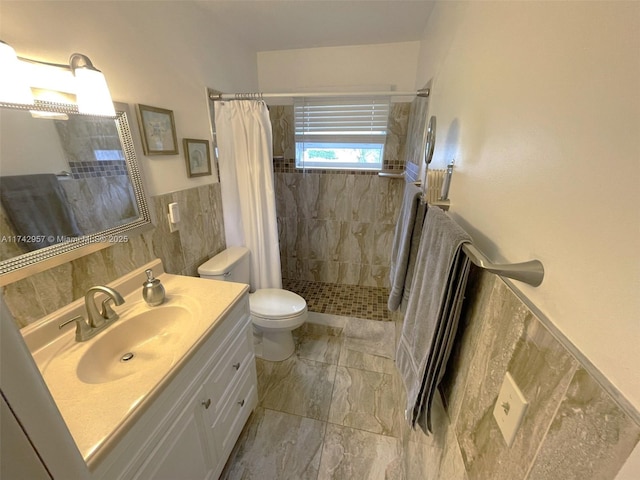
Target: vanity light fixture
column 92, row 93
column 27, row 82
column 13, row 86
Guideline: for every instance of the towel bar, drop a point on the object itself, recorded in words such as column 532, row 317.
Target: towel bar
column 531, row 272
column 391, row 174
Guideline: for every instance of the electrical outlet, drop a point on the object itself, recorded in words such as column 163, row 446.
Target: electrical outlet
column 173, row 216
column 173, row 227
column 509, row 409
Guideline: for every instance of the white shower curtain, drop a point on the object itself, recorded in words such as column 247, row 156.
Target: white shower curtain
column 243, row 134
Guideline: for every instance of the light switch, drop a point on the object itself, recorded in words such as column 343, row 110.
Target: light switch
column 509, row 409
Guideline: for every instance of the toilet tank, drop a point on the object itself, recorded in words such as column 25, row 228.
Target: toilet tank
column 230, row 265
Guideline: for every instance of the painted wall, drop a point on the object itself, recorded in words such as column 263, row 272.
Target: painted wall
column 538, row 103
column 318, row 69
column 164, row 55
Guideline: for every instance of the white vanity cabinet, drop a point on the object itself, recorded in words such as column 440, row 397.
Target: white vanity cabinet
column 189, row 430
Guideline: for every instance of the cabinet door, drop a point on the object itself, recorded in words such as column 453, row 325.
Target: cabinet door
column 186, row 451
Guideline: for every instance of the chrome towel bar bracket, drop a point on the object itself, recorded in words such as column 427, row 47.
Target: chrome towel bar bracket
column 531, row 272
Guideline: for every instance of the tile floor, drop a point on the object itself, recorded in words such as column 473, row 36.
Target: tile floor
column 329, row 411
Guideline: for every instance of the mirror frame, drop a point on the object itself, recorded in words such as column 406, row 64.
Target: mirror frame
column 431, row 140
column 22, row 266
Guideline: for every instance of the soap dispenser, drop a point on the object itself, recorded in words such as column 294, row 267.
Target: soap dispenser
column 152, row 290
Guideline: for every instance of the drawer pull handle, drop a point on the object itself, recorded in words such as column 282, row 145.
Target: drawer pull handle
column 236, row 366
column 241, row 403
column 207, row 403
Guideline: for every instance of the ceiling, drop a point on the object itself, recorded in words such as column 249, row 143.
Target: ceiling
column 265, row 25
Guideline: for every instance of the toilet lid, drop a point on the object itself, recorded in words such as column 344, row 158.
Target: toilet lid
column 276, row 303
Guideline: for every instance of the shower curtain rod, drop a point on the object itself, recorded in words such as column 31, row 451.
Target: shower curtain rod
column 261, row 96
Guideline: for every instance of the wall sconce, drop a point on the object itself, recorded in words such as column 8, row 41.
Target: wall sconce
column 26, row 82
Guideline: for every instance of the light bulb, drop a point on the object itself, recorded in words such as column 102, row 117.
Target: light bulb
column 13, row 86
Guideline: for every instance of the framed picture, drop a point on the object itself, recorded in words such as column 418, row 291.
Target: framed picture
column 158, row 131
column 197, row 157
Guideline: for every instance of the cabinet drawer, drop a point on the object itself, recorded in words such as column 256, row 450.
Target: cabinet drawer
column 236, row 410
column 230, row 365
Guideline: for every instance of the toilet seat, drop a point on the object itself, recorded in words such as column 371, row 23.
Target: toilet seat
column 276, row 303
column 275, row 308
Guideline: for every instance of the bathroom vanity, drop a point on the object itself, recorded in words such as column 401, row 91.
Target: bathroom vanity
column 176, row 407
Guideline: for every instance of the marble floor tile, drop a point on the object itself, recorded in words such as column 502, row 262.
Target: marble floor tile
column 421, row 462
column 355, row 454
column 376, row 337
column 319, row 343
column 365, row 400
column 327, row 319
column 297, row 386
column 368, row 345
column 277, row 446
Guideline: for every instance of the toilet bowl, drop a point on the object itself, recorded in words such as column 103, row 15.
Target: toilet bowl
column 274, row 312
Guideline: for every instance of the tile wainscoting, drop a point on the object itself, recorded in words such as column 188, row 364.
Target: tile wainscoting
column 200, row 236
column 574, row 428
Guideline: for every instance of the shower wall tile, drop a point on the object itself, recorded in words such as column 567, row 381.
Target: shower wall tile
column 389, row 199
column 363, row 201
column 383, row 234
column 334, row 196
column 362, row 241
column 337, row 226
column 379, row 276
column 318, row 238
column 201, row 236
column 282, row 130
column 394, row 147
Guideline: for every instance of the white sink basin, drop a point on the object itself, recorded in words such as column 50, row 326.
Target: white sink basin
column 134, row 344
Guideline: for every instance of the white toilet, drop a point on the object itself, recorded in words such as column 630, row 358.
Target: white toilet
column 274, row 312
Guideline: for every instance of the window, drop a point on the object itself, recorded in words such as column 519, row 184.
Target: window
column 344, row 133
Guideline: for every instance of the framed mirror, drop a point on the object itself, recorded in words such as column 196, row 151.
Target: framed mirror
column 69, row 185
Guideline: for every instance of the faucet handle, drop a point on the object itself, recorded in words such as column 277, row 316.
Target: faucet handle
column 82, row 327
column 107, row 312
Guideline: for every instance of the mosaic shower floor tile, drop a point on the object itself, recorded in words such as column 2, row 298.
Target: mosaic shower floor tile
column 345, row 300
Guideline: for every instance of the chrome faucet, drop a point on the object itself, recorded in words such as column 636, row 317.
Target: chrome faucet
column 96, row 321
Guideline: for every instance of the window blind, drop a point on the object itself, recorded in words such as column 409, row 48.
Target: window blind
column 341, row 120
